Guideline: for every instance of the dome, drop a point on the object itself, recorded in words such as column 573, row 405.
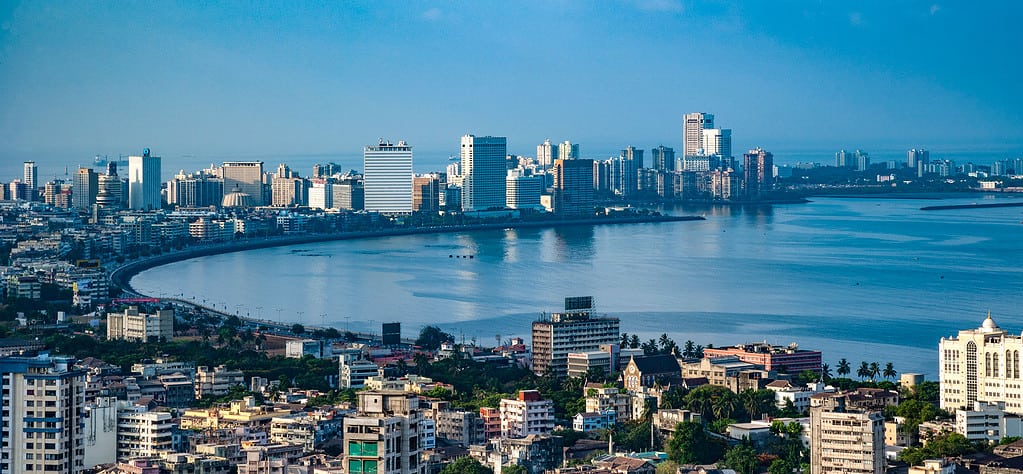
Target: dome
column 236, row 198
column 989, row 324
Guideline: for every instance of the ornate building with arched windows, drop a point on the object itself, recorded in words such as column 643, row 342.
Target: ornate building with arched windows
column 981, row 365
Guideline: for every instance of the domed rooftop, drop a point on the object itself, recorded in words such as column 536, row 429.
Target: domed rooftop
column 989, row 324
column 236, row 198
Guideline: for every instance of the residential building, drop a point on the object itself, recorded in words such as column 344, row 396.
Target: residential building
column 546, row 153
column 286, row 189
column 575, row 330
column 717, row 142
column 144, row 182
column 758, row 173
column 246, row 176
column 916, row 157
column 786, row 394
column 241, row 415
column 270, row 459
column 100, row 429
column 43, row 415
column 310, row 430
column 384, row 435
column 216, row 382
column 387, row 178
column 591, row 421
column 573, row 187
column 987, row 422
column 693, row 125
column 135, row 326
column 606, row 359
column 600, row 399
column 299, row 348
column 354, row 370
column 648, row 371
column 788, row 359
column 84, row 189
column 537, row 454
column 491, row 418
column 663, row 158
column 568, row 151
column 110, row 192
column 981, row 365
column 483, row 172
column 845, row 439
column 142, row 433
column 31, row 178
column 195, row 190
column 527, row 414
column 461, row 427
column 721, row 371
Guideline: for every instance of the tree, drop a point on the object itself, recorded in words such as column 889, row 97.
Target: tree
column 889, row 371
column 625, row 339
column 689, row 350
column 825, row 372
column 667, row 467
column 466, row 465
column 741, row 458
column 431, row 337
column 634, row 342
column 513, row 469
column 297, row 328
column 780, row 466
column 685, row 444
column 725, row 404
column 864, row 371
column 875, row 370
column 843, row 367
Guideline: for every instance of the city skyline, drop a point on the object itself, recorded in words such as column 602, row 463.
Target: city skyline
column 821, row 77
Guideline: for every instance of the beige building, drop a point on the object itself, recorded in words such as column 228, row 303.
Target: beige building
column 240, row 414
column 981, row 365
column 217, row 381
column 528, row 414
column 136, row 326
column 384, row 435
column 845, row 439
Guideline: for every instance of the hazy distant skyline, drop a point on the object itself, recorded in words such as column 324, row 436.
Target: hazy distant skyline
column 241, row 78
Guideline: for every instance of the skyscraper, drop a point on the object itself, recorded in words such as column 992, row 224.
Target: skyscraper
column 84, row 189
column 758, row 172
column 546, row 153
column 245, row 176
column 663, row 158
column 693, row 125
column 568, row 150
column 48, row 435
column 483, row 172
column 915, row 156
column 717, row 141
column 387, row 177
column 144, row 181
column 31, row 178
column 573, row 188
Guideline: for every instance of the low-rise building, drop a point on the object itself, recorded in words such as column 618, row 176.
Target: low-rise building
column 311, row 430
column 216, row 382
column 135, row 326
column 647, row 371
column 590, row 421
column 788, row 359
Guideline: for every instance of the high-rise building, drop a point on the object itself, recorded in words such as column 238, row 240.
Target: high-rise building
column 758, row 172
column 527, row 414
column 31, row 178
column 844, row 438
column 195, row 190
column 385, row 434
column 483, row 172
column 111, row 188
column 387, row 178
column 568, row 150
column 144, row 181
column 246, row 177
column 573, row 188
column 663, row 158
column 426, row 190
column 321, row 194
column 574, row 330
column 141, row 432
column 914, row 157
column 349, row 194
column 546, row 153
column 693, row 125
column 980, row 365
column 523, row 189
column 85, row 188
column 44, row 415
column 716, row 141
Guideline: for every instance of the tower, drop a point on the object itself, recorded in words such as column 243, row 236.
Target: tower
column 85, row 188
column 758, row 172
column 31, row 178
column 693, row 125
column 387, row 179
column 568, row 150
column 546, row 153
column 573, row 188
column 246, row 176
column 144, row 181
column 483, row 172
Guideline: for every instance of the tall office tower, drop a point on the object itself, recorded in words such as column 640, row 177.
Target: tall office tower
column 693, row 125
column 574, row 330
column 914, row 156
column 349, row 194
column 44, row 415
column 246, row 176
column 573, row 188
column 31, row 179
column 483, row 172
column 144, row 181
column 85, row 188
column 110, row 186
column 387, row 177
column 287, row 191
column 426, row 190
column 758, row 172
column 195, row 190
column 634, row 154
column 717, row 141
column 845, row 439
column 663, row 158
column 546, row 153
column 385, row 434
column 523, row 189
column 568, row 150
column 980, row 365
column 602, row 176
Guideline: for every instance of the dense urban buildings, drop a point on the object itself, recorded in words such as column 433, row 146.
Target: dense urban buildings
column 483, row 172
column 387, row 178
column 385, row 436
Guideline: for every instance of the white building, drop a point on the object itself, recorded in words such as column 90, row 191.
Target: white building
column 717, row 141
column 987, row 422
column 526, row 415
column 845, row 439
column 693, row 125
column 385, row 435
column 136, row 326
column 387, row 179
column 143, row 433
column 43, row 415
column 216, row 382
column 575, row 330
column 321, row 194
column 101, row 431
column 144, row 181
column 31, row 176
column 799, row 397
column 354, row 371
column 523, row 191
column 483, row 172
column 546, row 153
column 981, row 365
column 299, row 348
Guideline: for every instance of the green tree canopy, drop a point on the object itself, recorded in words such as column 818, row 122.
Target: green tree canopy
column 466, row 465
column 431, row 337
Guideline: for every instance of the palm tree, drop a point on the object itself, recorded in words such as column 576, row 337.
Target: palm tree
column 875, row 370
column 634, row 341
column 699, row 401
column 889, row 371
column 725, row 405
column 751, row 402
column 825, row 372
column 625, row 339
column 689, row 350
column 843, row 367
column 864, row 371
column 663, row 342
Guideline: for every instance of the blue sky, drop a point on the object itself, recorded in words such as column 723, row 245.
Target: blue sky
column 256, row 78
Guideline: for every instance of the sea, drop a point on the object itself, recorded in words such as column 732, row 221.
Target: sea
column 875, row 280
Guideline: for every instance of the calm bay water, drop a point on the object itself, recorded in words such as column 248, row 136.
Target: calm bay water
column 864, row 279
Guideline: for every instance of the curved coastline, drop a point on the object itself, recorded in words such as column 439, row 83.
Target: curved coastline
column 121, row 276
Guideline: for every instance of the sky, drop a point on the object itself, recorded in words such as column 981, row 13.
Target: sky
column 250, row 78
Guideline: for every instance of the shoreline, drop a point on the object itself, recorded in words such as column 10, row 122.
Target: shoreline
column 121, row 276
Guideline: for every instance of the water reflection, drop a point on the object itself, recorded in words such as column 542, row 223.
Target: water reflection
column 574, row 243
